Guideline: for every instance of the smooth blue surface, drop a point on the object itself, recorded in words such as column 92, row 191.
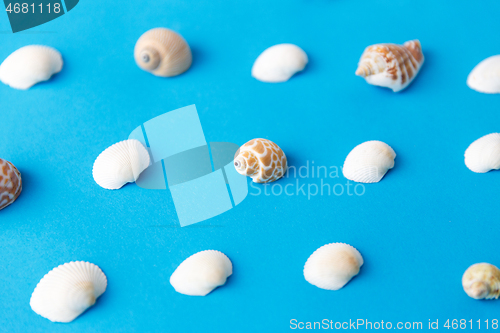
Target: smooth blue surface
column 418, row 229
column 174, row 132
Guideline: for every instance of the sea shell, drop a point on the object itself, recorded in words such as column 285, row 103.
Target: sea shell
column 333, row 265
column 262, row 160
column 485, row 77
column 119, row 164
column 11, row 183
column 29, row 65
column 68, row 290
column 369, row 162
column 483, row 154
column 201, row 273
column 390, row 65
column 482, row 281
column 163, row 52
column 279, row 63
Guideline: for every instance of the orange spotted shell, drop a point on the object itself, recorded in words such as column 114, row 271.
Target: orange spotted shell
column 262, row 160
column 10, row 183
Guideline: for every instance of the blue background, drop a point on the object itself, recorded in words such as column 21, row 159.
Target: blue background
column 418, row 229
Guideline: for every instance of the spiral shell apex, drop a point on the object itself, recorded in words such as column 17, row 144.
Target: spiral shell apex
column 201, row 273
column 390, row 65
column 482, row 281
column 262, row 160
column 332, row 266
column 163, row 52
column 483, row 154
column 11, row 183
column 68, row 290
column 120, row 164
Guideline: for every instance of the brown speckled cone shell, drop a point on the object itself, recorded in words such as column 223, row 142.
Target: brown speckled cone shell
column 265, row 161
column 10, row 183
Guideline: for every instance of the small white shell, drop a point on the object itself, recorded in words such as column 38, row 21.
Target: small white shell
column 369, row 162
column 201, row 273
column 482, row 281
column 333, row 265
column 68, row 290
column 483, row 154
column 163, row 52
column 485, row 77
column 279, row 63
column 119, row 164
column 29, row 65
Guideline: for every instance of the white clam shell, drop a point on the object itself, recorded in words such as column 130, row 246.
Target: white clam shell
column 163, row 52
column 201, row 273
column 485, row 77
column 29, row 65
column 68, row 290
column 369, row 162
column 119, row 164
column 333, row 265
column 483, row 154
column 279, row 63
column 482, row 281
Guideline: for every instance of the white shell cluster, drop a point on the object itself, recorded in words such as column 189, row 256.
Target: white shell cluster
column 485, row 77
column 201, row 273
column 68, row 290
column 120, row 164
column 369, row 162
column 163, row 52
column 29, row 65
column 483, row 154
column 482, row 281
column 333, row 265
column 279, row 63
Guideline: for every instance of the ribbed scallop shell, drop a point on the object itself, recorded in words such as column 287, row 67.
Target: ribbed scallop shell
column 483, row 154
column 279, row 63
column 68, row 290
column 201, row 273
column 29, row 65
column 11, row 183
column 119, row 164
column 262, row 160
column 163, row 52
column 390, row 65
column 333, row 265
column 369, row 162
column 485, row 77
column 482, row 281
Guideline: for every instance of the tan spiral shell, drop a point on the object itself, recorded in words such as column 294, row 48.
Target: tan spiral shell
column 162, row 52
column 10, row 183
column 482, row 281
column 390, row 65
column 262, row 160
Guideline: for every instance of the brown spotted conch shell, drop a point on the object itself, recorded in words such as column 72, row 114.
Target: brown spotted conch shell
column 482, row 281
column 10, row 183
column 162, row 52
column 262, row 160
column 390, row 65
